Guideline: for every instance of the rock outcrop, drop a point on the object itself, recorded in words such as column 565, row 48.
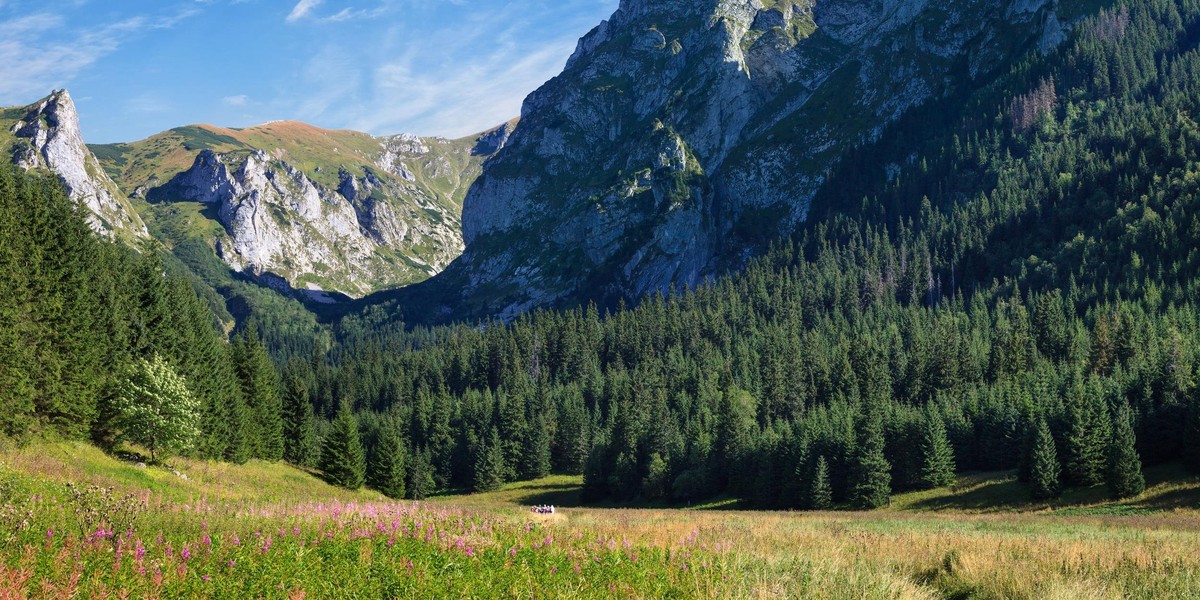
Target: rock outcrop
column 683, row 132
column 48, row 137
column 307, row 208
column 281, row 223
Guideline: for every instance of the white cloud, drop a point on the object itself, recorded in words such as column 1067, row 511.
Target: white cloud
column 239, row 100
column 42, row 52
column 307, row 10
column 453, row 81
column 303, row 9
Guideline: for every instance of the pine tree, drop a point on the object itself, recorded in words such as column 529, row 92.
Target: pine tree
column 1191, row 450
column 1044, row 468
column 342, row 457
column 536, row 463
column 1088, row 430
column 489, row 464
column 937, row 465
column 820, row 495
column 389, row 467
column 299, row 427
column 16, row 356
column 1125, row 479
column 870, row 477
column 420, row 475
column 260, row 391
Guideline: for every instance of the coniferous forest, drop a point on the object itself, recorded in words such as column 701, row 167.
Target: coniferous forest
column 1007, row 279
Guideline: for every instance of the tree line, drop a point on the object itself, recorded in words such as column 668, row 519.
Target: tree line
column 1021, row 294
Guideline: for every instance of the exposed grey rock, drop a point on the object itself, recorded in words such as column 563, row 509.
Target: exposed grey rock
column 283, row 227
column 683, row 131
column 49, row 138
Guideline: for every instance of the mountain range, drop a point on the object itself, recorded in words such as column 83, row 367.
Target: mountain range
column 681, row 138
column 299, row 208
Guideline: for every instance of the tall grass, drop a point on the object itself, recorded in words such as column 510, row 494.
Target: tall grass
column 271, row 531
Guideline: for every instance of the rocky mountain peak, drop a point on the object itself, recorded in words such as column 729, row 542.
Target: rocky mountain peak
column 681, row 133
column 49, row 137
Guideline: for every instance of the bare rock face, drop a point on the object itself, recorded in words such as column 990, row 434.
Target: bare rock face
column 282, row 225
column 49, row 138
column 683, row 132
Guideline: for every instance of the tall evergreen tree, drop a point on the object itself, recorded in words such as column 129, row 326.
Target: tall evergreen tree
column 342, row 457
column 299, row 426
column 489, row 464
column 1191, row 450
column 1086, row 444
column 870, row 477
column 388, row 470
column 1125, row 479
column 820, row 494
column 420, row 475
column 1044, row 467
column 937, row 464
column 536, row 462
column 260, row 390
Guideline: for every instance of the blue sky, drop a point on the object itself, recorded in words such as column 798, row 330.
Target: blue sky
column 432, row 67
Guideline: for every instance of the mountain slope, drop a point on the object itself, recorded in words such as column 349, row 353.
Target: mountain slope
column 301, row 207
column 46, row 135
column 682, row 136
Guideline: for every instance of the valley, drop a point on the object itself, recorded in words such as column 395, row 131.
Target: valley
column 769, row 299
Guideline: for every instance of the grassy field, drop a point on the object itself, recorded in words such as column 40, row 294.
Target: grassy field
column 269, row 530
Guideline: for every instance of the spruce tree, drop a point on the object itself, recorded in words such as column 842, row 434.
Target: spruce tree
column 16, row 356
column 1125, row 479
column 870, row 476
column 1088, row 430
column 389, row 466
column 1191, row 449
column 536, row 463
column 260, row 391
column 342, row 457
column 937, row 457
column 1044, row 468
column 420, row 475
column 299, row 421
column 820, row 495
column 489, row 464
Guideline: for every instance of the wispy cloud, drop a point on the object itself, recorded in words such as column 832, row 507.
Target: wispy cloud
column 306, row 10
column 239, row 100
column 479, row 75
column 43, row 51
column 303, row 9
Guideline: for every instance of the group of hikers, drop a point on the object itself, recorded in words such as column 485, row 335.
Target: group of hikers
column 543, row 509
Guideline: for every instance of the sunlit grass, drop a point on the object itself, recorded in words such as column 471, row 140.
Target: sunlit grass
column 271, row 530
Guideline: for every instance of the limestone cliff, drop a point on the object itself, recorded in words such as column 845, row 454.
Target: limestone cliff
column 46, row 136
